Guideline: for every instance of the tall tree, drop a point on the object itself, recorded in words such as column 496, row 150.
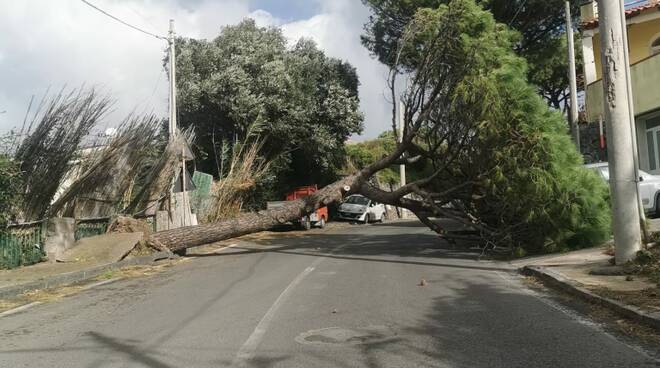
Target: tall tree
column 501, row 160
column 303, row 104
column 541, row 41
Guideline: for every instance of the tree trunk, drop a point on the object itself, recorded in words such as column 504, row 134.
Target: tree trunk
column 192, row 236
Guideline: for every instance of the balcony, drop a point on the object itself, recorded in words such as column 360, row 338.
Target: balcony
column 646, row 89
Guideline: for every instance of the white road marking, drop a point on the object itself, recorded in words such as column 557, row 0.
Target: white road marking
column 246, row 352
column 101, row 283
column 224, row 248
column 19, row 309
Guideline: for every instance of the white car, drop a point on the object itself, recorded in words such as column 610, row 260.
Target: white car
column 649, row 186
column 361, row 209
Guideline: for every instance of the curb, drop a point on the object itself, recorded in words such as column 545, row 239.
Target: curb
column 562, row 283
column 78, row 276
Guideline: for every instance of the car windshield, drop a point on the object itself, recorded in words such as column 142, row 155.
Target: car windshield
column 357, row 200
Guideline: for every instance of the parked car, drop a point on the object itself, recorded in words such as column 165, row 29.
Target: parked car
column 649, row 186
column 361, row 209
column 318, row 218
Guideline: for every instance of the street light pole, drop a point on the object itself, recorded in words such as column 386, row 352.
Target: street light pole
column 573, row 113
column 172, row 61
column 623, row 178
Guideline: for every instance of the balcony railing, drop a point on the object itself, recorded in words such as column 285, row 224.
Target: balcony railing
column 645, row 75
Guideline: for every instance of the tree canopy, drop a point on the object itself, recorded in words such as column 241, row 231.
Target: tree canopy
column 303, row 104
column 541, row 36
column 501, row 160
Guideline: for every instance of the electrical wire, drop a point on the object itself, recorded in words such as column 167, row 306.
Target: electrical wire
column 517, row 12
column 123, row 22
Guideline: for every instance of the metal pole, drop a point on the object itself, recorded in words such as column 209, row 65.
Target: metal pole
column 172, row 60
column 184, row 194
column 623, row 179
column 633, row 124
column 573, row 113
column 402, row 167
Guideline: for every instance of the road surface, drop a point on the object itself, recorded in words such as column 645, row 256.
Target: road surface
column 344, row 297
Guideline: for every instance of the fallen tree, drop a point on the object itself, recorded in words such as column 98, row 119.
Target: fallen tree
column 187, row 237
column 494, row 156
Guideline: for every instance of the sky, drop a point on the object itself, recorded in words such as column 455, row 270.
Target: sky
column 47, row 44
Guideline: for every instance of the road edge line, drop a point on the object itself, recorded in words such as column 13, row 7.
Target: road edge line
column 559, row 282
column 19, row 309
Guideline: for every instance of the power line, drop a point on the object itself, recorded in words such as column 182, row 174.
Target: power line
column 122, row 22
column 520, row 8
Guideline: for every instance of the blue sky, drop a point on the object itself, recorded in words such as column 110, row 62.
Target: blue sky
column 288, row 10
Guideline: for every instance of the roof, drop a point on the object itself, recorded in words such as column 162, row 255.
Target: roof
column 633, row 9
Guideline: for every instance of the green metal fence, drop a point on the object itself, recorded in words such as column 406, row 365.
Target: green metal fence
column 22, row 244
column 200, row 196
column 91, row 227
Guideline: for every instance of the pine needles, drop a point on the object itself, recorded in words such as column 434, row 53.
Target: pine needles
column 47, row 152
column 103, row 182
column 247, row 168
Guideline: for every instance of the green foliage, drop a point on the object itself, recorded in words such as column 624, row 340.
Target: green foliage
column 11, row 188
column 363, row 154
column 304, row 104
column 530, row 186
column 540, row 25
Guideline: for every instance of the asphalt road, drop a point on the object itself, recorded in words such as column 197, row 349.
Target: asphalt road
column 344, row 297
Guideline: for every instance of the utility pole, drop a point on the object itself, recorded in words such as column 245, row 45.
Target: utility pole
column 633, row 124
column 172, row 61
column 573, row 113
column 179, row 201
column 402, row 122
column 623, row 178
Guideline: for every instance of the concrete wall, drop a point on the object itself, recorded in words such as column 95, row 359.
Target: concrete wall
column 60, row 236
column 640, row 36
column 645, row 77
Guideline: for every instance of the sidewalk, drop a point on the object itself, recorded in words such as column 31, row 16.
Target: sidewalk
column 634, row 297
column 89, row 258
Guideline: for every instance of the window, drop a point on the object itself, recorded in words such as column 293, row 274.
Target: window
column 655, row 46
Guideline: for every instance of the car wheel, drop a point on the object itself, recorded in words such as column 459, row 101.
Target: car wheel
column 306, row 223
column 383, row 217
column 657, row 206
column 321, row 223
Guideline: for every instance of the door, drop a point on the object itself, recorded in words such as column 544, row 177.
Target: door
column 653, row 144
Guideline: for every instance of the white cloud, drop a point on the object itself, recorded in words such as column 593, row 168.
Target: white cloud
column 65, row 42
column 337, row 30
column 55, row 43
column 264, row 19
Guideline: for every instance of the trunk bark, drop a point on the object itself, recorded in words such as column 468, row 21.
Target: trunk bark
column 192, row 236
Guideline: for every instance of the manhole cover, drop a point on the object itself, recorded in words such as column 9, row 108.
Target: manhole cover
column 345, row 336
